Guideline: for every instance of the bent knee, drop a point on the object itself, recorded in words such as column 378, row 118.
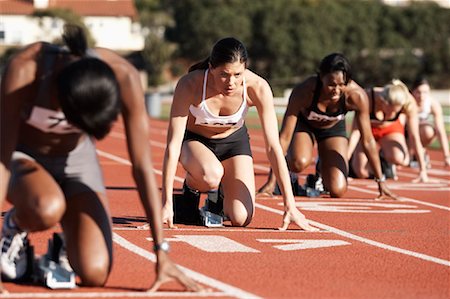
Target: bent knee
column 299, row 164
column 95, row 274
column 45, row 213
column 337, row 191
column 241, row 220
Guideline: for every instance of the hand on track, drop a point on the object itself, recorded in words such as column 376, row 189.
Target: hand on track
column 385, row 193
column 167, row 217
column 167, row 271
column 294, row 215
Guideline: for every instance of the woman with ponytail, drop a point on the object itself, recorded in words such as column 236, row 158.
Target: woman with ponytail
column 208, row 136
column 315, row 116
column 55, row 101
column 391, row 107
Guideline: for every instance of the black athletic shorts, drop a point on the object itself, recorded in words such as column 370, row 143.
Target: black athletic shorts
column 238, row 143
column 320, row 134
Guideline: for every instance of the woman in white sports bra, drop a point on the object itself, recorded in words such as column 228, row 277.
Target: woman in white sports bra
column 207, row 135
column 430, row 107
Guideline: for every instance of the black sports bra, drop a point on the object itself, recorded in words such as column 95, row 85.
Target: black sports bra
column 373, row 117
column 315, row 114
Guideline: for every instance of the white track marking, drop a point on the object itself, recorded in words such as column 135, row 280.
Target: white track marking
column 366, row 241
column 212, row 243
column 296, row 244
column 231, row 230
column 227, row 289
column 359, row 207
column 355, row 237
column 403, row 198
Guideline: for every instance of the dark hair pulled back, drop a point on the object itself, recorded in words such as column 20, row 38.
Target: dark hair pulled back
column 226, row 50
column 88, row 90
column 336, row 62
column 75, row 39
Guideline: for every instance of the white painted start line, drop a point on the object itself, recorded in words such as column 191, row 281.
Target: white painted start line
column 221, row 244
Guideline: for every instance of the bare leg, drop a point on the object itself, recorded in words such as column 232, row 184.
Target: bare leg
column 395, row 149
column 360, row 163
column 38, row 200
column 204, row 170
column 87, row 229
column 334, row 165
column 300, row 154
column 239, row 189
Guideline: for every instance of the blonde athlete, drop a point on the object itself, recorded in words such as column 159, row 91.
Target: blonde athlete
column 207, row 134
column 388, row 105
column 54, row 102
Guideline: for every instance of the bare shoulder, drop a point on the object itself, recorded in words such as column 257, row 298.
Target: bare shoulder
column 356, row 96
column 305, row 89
column 189, row 88
column 258, row 88
column 22, row 65
column 121, row 67
column 254, row 81
column 191, row 81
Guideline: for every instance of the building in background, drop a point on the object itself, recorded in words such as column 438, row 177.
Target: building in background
column 443, row 3
column 112, row 23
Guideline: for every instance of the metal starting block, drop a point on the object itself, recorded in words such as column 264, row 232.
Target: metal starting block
column 210, row 219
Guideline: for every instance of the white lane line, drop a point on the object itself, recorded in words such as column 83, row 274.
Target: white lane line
column 364, row 240
column 227, row 289
column 265, row 168
column 355, row 237
column 229, row 230
column 407, row 199
column 142, row 294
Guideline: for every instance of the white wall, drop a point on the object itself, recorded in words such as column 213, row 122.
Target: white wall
column 116, row 33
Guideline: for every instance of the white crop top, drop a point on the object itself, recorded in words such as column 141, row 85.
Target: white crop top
column 204, row 117
column 426, row 109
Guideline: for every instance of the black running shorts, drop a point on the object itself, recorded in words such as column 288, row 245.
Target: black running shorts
column 338, row 130
column 238, row 143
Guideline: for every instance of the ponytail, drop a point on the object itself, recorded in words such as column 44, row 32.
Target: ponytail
column 202, row 65
column 75, row 39
column 397, row 93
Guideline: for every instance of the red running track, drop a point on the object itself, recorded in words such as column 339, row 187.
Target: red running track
column 365, row 248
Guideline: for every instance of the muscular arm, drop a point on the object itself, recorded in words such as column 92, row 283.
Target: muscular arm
column 412, row 122
column 353, row 139
column 263, row 99
column 177, row 126
column 436, row 109
column 360, row 101
column 286, row 132
column 137, row 132
column 15, row 87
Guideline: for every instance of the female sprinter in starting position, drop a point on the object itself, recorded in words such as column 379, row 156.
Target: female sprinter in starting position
column 54, row 102
column 428, row 130
column 388, row 105
column 208, row 136
column 316, row 113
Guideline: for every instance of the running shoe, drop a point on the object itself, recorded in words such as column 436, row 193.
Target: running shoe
column 186, row 206
column 15, row 246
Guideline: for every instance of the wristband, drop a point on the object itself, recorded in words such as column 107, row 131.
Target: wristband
column 163, row 246
column 380, row 180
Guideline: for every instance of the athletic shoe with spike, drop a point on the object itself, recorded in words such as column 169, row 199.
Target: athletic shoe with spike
column 15, row 248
